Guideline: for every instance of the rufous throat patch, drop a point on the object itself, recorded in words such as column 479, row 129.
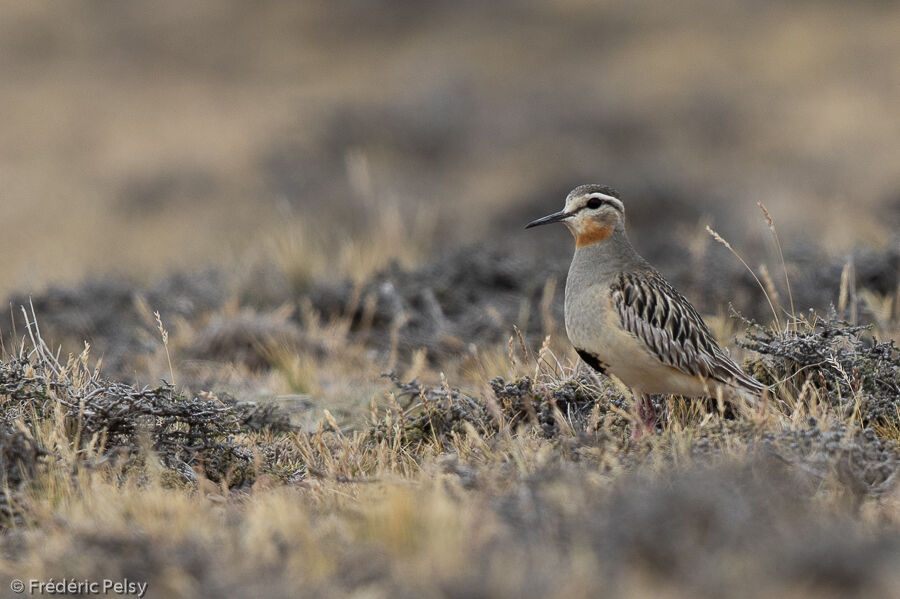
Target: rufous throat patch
column 592, row 233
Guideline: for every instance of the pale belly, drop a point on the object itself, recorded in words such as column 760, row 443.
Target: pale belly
column 622, row 354
column 640, row 371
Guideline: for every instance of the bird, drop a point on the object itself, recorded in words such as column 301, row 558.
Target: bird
column 625, row 319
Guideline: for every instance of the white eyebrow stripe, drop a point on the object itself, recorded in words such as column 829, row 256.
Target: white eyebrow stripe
column 614, row 201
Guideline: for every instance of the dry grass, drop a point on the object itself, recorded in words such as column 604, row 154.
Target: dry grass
column 509, row 503
column 338, row 482
column 304, row 252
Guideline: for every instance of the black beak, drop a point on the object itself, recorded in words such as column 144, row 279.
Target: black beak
column 552, row 218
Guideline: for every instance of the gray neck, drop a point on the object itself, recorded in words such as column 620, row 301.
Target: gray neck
column 598, row 261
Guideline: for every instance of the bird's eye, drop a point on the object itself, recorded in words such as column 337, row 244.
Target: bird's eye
column 594, row 203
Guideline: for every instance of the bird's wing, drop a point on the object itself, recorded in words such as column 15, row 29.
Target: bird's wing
column 670, row 328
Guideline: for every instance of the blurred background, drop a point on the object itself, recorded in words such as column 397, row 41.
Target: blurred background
column 141, row 138
column 276, row 203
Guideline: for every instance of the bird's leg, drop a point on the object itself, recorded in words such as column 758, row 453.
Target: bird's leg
column 645, row 416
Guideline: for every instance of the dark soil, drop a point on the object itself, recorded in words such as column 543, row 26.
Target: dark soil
column 114, row 315
column 462, row 298
column 475, row 295
column 190, row 435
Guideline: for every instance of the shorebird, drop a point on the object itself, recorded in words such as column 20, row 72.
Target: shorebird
column 625, row 319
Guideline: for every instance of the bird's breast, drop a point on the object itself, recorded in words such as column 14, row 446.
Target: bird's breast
column 587, row 313
column 594, row 329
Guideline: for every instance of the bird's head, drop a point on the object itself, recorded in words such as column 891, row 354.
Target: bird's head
column 592, row 213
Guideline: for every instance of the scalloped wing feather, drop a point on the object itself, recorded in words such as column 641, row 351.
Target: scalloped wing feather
column 670, row 327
